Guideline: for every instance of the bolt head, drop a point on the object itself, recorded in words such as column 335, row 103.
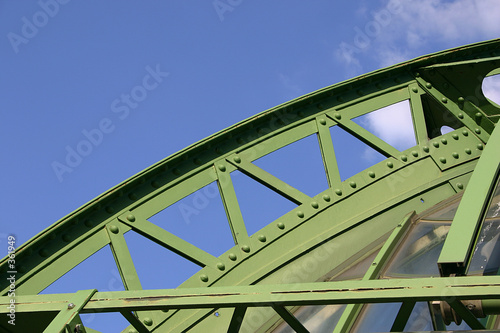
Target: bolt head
column 131, row 218
column 148, row 321
column 71, row 305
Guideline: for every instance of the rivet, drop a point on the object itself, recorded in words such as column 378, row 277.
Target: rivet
column 444, row 100
column 461, row 99
column 337, row 116
column 326, row 197
column 262, row 238
column 197, row 161
column 132, row 196
column 414, row 89
column 52, row 236
column 300, row 214
column 425, row 148
column 454, row 154
column 114, row 229
column 204, row 277
column 232, row 256
column 222, row 167
column 245, row 248
column 444, row 141
column 374, row 264
column 340, row 99
column 237, row 159
column 314, row 205
column 480, row 146
column 148, row 321
column 338, row 191
column 44, row 253
column 454, row 136
column 155, row 184
column 131, row 217
column 460, row 186
column 281, row 225
column 461, row 115
column 443, row 160
column 478, row 116
column 66, row 238
column 428, row 85
column 71, row 306
column 371, row 174
column 352, row 184
column 397, row 80
column 390, row 164
column 322, row 121
column 221, row 266
column 465, row 133
column 446, row 85
column 477, row 130
column 360, row 92
column 404, row 158
column 110, row 210
column 176, row 171
column 414, row 153
column 468, row 151
column 88, row 223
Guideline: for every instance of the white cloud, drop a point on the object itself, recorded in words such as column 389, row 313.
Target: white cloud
column 491, row 88
column 393, row 124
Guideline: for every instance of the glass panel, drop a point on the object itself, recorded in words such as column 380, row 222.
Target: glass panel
column 445, row 211
column 380, row 318
column 377, row 317
column 486, row 257
column 418, row 254
column 420, row 318
column 315, row 318
column 358, row 270
column 494, row 210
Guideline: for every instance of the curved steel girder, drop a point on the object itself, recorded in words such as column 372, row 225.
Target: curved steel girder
column 406, row 181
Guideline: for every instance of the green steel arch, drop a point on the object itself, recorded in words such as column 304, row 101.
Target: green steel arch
column 319, row 263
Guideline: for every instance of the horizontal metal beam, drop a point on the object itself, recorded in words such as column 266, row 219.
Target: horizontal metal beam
column 317, row 293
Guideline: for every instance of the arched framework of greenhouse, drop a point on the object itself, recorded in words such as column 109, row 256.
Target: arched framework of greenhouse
column 411, row 243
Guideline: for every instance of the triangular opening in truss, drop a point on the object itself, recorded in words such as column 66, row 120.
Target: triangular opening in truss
column 199, row 219
column 491, row 88
column 437, row 117
column 392, row 123
column 104, row 321
column 352, row 154
column 157, row 266
column 259, row 205
column 298, row 164
column 100, row 273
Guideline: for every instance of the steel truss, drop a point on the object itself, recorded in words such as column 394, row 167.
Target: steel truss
column 332, row 228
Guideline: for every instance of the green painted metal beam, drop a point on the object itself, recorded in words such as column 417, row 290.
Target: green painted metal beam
column 290, row 319
column 351, row 311
column 270, row 181
column 461, row 238
column 230, row 202
column 170, row 241
column 68, row 313
column 402, row 316
column 237, row 319
column 328, row 152
column 315, row 293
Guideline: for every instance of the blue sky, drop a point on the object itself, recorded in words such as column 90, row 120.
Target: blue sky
column 141, row 80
